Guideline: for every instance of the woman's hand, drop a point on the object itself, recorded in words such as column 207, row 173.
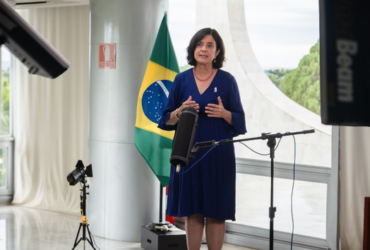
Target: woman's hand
column 214, row 110
column 218, row 111
column 188, row 103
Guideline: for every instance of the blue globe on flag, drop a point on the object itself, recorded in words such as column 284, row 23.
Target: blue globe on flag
column 154, row 99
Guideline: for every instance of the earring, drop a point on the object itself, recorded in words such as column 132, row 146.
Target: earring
column 214, row 60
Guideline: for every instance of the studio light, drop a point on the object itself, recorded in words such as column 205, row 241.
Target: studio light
column 25, row 43
column 74, row 177
column 79, row 173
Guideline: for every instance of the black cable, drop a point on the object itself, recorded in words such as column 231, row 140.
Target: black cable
column 94, row 240
column 201, row 157
column 254, row 151
column 291, row 197
column 268, row 153
column 225, row 140
column 81, row 194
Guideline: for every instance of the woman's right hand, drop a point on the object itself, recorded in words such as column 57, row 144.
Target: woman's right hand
column 189, row 103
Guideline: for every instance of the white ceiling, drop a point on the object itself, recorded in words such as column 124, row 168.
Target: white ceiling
column 28, row 4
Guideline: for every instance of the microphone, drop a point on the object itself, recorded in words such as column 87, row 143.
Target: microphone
column 184, row 138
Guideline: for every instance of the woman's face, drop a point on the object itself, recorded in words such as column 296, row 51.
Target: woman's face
column 205, row 50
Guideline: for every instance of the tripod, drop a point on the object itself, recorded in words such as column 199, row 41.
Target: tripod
column 84, row 220
column 271, row 142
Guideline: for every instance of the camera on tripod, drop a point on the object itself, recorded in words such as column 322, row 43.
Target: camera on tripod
column 79, row 173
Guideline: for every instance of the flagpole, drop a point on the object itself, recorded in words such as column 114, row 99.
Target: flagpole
column 160, row 202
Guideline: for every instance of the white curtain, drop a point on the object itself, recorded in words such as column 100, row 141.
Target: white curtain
column 354, row 184
column 51, row 116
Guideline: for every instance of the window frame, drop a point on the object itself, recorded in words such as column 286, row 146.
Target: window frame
column 258, row 238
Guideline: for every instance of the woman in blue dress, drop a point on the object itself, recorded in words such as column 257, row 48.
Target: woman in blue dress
column 208, row 189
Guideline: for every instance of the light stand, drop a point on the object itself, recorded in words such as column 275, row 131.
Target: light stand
column 84, row 220
column 271, row 144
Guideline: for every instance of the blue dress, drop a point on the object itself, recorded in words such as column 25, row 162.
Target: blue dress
column 209, row 187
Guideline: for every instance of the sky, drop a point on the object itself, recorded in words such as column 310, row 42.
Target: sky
column 5, row 58
column 181, row 23
column 281, row 32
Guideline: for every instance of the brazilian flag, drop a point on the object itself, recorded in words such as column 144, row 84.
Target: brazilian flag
column 154, row 144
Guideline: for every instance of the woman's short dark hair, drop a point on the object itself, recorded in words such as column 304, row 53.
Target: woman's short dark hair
column 219, row 46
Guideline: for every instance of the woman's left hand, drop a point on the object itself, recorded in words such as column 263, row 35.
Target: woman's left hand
column 216, row 110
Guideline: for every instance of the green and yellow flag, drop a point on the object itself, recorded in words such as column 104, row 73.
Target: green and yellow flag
column 154, row 144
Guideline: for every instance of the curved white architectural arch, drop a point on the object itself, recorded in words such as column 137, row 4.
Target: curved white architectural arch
column 267, row 109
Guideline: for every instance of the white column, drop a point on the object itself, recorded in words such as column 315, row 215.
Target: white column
column 124, row 193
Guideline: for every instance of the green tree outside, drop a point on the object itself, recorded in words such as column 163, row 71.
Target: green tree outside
column 277, row 75
column 4, row 122
column 302, row 84
column 185, row 67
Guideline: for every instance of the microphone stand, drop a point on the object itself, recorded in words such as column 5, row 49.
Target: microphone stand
column 271, row 142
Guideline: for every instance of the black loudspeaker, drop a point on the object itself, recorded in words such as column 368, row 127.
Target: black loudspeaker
column 345, row 62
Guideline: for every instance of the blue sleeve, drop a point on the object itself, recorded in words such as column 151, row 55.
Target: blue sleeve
column 237, row 112
column 171, row 105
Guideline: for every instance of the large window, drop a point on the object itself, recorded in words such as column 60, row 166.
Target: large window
column 6, row 137
column 5, row 93
column 309, row 204
column 284, row 36
column 279, row 50
column 181, row 23
column 3, row 167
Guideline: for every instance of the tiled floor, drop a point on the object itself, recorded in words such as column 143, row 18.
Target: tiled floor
column 23, row 228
